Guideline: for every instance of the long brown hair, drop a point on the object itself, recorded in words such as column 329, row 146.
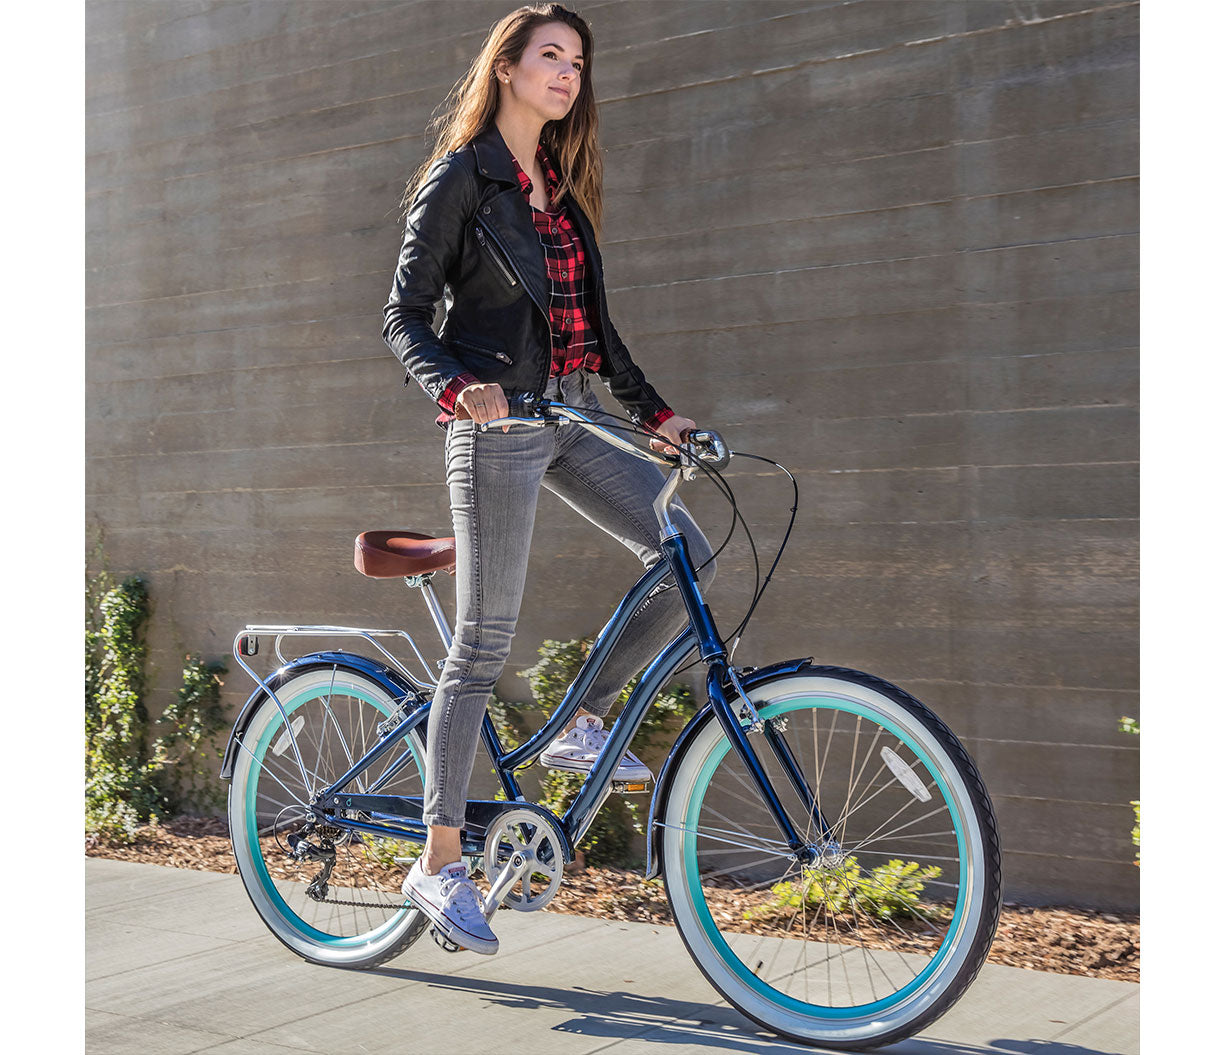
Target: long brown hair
column 470, row 107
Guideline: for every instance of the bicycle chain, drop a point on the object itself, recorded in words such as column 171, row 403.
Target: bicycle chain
column 359, row 904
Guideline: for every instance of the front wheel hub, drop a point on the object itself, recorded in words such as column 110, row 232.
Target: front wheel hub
column 825, row 856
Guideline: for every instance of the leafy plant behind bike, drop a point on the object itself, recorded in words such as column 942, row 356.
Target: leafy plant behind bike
column 890, row 890
column 138, row 769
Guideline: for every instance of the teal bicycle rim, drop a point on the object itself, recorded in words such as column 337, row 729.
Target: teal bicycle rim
column 252, row 834
column 716, row 938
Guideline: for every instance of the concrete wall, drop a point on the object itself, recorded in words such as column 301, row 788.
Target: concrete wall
column 891, row 244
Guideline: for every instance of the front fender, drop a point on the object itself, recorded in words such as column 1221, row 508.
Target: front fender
column 659, row 796
column 385, row 676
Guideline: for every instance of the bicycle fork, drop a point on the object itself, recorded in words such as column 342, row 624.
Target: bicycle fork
column 731, row 708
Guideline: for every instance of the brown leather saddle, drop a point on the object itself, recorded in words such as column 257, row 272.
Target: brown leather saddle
column 396, row 554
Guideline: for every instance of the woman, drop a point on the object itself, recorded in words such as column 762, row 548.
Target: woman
column 502, row 223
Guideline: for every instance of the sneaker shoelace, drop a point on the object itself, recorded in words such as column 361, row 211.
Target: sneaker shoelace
column 460, row 897
column 592, row 738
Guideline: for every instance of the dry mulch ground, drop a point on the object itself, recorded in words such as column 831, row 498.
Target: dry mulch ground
column 1060, row 940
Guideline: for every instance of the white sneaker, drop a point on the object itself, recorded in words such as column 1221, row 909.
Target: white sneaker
column 453, row 904
column 576, row 752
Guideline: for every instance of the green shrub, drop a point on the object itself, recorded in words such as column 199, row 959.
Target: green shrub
column 611, row 838
column 136, row 770
column 384, row 851
column 118, row 790
column 193, row 719
column 1131, row 725
column 890, row 890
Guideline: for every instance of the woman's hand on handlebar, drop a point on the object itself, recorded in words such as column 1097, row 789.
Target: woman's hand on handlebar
column 482, row 401
column 672, row 434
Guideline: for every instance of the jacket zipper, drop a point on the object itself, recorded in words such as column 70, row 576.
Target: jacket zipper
column 544, row 375
column 500, row 356
column 506, row 271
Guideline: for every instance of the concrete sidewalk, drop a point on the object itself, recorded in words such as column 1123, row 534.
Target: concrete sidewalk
column 178, row 962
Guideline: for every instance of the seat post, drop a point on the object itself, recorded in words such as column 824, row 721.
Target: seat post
column 422, row 582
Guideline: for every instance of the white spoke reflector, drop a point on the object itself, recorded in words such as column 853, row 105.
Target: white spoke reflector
column 283, row 741
column 905, row 774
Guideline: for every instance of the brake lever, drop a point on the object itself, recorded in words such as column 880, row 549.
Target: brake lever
column 711, row 447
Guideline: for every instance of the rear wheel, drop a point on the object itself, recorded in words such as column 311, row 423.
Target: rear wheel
column 889, row 923
column 337, row 901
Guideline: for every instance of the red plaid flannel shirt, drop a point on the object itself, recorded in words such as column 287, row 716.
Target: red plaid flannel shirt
column 574, row 345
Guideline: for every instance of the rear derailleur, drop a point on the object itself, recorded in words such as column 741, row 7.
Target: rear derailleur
column 302, row 849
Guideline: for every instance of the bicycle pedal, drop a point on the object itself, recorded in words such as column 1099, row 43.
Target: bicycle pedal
column 629, row 787
column 444, row 943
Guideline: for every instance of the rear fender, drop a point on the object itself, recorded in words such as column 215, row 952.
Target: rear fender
column 385, row 676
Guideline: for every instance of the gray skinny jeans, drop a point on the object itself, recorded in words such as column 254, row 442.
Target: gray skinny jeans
column 494, row 479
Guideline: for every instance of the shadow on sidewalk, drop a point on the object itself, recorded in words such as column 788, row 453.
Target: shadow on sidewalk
column 619, row 1015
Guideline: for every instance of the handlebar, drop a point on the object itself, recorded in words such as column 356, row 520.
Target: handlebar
column 704, row 444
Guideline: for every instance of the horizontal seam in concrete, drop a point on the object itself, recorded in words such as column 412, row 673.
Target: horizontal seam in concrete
column 632, row 243
column 170, row 960
column 972, row 412
column 265, row 1046
column 106, row 420
column 817, row 165
column 286, row 37
column 817, row 368
column 435, row 90
column 672, row 283
column 138, row 530
column 818, row 319
column 984, row 518
column 205, row 878
column 402, row 442
column 639, row 335
column 1002, row 797
column 1093, row 1015
column 98, row 192
column 696, row 280
column 416, row 136
column 1130, row 748
column 869, row 52
column 1009, row 24
column 847, row 213
column 866, row 263
column 1017, row 685
column 440, row 485
column 278, row 34
column 969, row 465
column 1069, row 857
column 418, row 44
column 223, row 1038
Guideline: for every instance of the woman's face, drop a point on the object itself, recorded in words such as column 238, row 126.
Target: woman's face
column 547, row 77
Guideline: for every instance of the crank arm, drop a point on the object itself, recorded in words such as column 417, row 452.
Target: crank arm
column 512, row 872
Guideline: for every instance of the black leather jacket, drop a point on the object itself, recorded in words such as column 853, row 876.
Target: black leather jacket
column 470, row 240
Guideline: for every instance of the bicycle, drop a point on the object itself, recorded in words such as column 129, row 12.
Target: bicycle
column 844, row 818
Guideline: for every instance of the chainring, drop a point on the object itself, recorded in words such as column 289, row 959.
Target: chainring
column 522, row 831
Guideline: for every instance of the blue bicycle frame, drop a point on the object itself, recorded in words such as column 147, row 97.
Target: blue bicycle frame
column 733, row 711
column 400, row 817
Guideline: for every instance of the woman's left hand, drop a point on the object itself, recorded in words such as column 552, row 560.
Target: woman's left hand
column 672, row 434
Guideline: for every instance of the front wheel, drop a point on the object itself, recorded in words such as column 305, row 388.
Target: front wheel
column 337, row 899
column 889, row 921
